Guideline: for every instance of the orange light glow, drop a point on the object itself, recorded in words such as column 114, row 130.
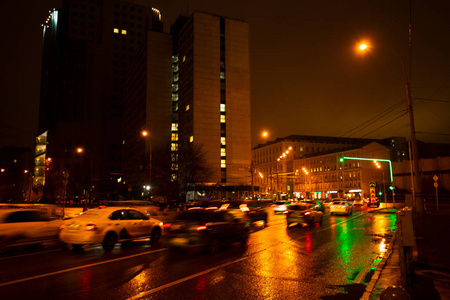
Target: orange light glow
column 144, row 132
column 80, row 150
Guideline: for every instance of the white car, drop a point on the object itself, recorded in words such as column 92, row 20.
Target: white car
column 108, row 226
column 26, row 226
column 341, row 207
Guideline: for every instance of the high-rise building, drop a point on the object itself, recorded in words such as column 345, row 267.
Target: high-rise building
column 87, row 48
column 212, row 96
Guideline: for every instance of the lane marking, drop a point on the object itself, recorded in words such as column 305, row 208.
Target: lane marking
column 152, row 291
column 78, row 268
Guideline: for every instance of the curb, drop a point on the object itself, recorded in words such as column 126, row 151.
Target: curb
column 370, row 287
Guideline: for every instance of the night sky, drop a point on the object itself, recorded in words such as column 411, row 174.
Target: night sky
column 306, row 76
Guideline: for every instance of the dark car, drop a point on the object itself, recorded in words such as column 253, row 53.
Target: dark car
column 253, row 209
column 206, row 229
column 303, row 214
column 317, row 204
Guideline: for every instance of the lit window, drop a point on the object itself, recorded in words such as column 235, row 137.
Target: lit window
column 301, row 149
column 223, row 163
column 124, row 32
column 116, row 30
column 222, row 75
column 174, row 137
column 187, row 107
column 223, row 141
column 222, row 118
column 222, row 107
column 191, row 139
column 184, row 58
column 174, row 147
column 174, row 126
column 223, row 152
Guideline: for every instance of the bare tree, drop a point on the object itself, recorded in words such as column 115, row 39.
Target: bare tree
column 193, row 170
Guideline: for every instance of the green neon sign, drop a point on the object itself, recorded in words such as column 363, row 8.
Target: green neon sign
column 341, row 159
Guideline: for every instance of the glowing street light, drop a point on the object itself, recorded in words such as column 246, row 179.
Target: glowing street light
column 417, row 190
column 146, row 134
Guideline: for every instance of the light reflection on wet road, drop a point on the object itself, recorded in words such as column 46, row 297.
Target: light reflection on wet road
column 324, row 262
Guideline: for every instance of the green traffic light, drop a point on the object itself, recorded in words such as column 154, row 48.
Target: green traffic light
column 380, row 193
column 341, row 159
column 391, row 188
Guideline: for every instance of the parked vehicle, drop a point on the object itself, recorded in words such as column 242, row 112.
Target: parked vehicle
column 341, row 207
column 108, row 226
column 26, row 226
column 207, row 229
column 303, row 214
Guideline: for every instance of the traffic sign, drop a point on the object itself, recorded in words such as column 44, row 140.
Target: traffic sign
column 436, row 184
column 372, row 184
column 435, row 178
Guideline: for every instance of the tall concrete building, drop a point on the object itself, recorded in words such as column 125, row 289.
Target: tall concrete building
column 213, row 97
column 87, row 48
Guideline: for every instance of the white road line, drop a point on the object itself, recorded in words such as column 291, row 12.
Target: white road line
column 78, row 268
column 143, row 294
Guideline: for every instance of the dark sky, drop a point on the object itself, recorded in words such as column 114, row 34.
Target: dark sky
column 306, row 77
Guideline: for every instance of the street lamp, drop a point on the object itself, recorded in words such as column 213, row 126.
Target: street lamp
column 417, row 191
column 81, row 150
column 146, row 134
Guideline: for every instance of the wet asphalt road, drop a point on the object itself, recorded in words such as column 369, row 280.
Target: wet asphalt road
column 331, row 261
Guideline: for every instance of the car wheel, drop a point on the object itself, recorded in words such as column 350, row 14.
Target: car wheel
column 244, row 239
column 213, row 246
column 76, row 247
column 156, row 234
column 110, row 241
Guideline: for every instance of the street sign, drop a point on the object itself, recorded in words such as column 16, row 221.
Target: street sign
column 372, row 184
column 436, row 184
column 435, row 178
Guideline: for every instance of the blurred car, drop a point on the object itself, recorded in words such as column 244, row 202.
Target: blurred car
column 207, row 229
column 317, row 204
column 254, row 210
column 26, row 226
column 341, row 207
column 280, row 206
column 358, row 201
column 194, row 204
column 108, row 226
column 303, row 214
column 327, row 203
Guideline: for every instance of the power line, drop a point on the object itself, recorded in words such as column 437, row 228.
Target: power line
column 373, row 120
column 404, row 113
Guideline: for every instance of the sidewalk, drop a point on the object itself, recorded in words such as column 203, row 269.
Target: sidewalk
column 430, row 266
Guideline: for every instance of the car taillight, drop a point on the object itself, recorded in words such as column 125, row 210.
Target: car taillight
column 167, row 225
column 307, row 213
column 90, row 227
column 62, row 226
column 199, row 228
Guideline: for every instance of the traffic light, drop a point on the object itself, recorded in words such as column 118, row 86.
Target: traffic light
column 341, row 159
column 391, row 188
column 380, row 193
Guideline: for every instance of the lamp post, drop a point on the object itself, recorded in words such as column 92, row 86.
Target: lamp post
column 146, row 134
column 417, row 190
column 81, row 150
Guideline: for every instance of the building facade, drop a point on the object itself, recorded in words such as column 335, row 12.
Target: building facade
column 212, row 97
column 87, row 48
column 309, row 167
